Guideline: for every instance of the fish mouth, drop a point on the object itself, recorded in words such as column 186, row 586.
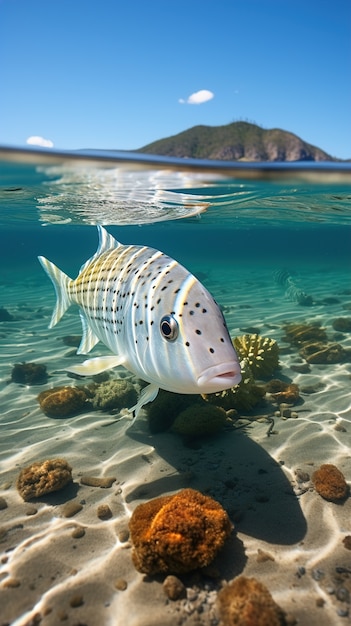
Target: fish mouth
column 219, row 377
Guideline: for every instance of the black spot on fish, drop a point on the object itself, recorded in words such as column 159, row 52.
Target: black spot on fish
column 198, row 332
column 187, row 344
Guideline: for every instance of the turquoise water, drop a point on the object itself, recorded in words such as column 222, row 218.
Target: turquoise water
column 258, row 236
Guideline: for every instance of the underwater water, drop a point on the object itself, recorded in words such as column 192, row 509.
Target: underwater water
column 272, row 245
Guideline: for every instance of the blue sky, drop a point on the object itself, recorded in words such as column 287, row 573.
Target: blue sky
column 118, row 74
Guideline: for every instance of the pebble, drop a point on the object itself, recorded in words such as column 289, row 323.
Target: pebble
column 11, row 583
column 31, row 510
column 123, row 535
column 3, row 503
column 78, row 532
column 343, row 594
column 121, row 584
column 104, row 512
column 71, row 508
column 174, row 588
column 76, row 601
column 317, row 574
column 93, row 481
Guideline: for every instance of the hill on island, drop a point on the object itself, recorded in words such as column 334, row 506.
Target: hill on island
column 238, row 141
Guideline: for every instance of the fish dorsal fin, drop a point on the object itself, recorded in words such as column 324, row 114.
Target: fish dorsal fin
column 89, row 339
column 106, row 242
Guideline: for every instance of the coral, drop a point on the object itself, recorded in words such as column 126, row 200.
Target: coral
column 199, row 420
column 282, row 391
column 300, row 333
column 342, row 324
column 330, row 483
column 323, row 353
column 165, row 408
column 178, row 533
column 43, row 477
column 114, row 395
column 262, row 354
column 247, row 602
column 242, row 397
column 29, row 373
column 62, row 401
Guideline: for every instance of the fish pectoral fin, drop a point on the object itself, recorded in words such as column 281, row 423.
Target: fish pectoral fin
column 148, row 394
column 90, row 367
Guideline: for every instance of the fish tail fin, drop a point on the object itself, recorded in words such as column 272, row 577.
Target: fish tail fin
column 60, row 281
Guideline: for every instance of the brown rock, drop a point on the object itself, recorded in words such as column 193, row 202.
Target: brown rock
column 330, row 483
column 43, row 477
column 247, row 602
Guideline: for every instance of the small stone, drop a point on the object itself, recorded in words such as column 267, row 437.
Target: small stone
column 121, row 584
column 11, row 583
column 263, row 556
column 78, row 532
column 347, row 542
column 31, row 510
column 76, row 601
column 71, row 508
column 123, row 535
column 301, row 476
column 93, row 481
column 174, row 588
column 3, row 503
column 320, row 602
column 104, row 512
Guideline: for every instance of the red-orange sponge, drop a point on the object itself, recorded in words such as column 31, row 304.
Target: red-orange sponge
column 178, row 533
column 247, row 602
column 330, row 483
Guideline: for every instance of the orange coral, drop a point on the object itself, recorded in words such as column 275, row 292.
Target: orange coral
column 62, row 401
column 43, row 477
column 247, row 602
column 178, row 533
column 330, row 483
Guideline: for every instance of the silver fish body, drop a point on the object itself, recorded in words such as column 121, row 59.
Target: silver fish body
column 157, row 319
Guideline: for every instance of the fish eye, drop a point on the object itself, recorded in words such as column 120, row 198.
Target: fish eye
column 169, row 327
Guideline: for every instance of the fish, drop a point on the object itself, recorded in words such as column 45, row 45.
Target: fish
column 156, row 318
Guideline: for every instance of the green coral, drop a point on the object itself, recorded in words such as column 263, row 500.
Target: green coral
column 114, row 395
column 199, row 420
column 261, row 353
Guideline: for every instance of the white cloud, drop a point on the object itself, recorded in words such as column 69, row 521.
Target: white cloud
column 198, row 97
column 34, row 140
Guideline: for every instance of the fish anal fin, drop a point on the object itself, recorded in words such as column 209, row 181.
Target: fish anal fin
column 99, row 364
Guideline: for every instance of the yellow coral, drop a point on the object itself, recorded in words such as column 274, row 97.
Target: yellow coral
column 261, row 353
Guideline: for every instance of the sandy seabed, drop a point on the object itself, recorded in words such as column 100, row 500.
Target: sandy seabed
column 286, row 535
